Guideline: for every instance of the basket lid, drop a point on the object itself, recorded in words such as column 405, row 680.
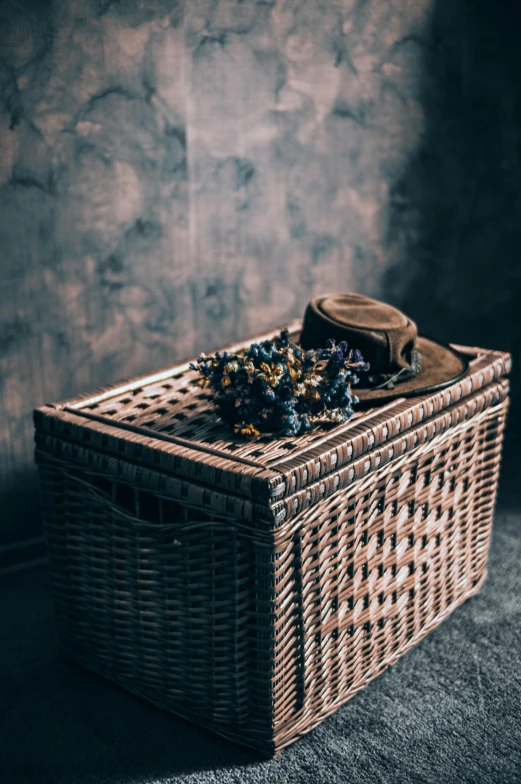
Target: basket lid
column 165, row 424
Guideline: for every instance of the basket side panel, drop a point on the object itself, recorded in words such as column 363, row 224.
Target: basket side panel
column 260, row 635
column 173, row 605
column 368, row 574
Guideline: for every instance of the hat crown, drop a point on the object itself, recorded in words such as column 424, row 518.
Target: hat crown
column 355, row 310
column 384, row 335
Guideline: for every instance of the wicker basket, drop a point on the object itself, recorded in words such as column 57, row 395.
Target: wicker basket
column 254, row 588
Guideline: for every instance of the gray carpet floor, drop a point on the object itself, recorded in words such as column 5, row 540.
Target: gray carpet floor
column 448, row 711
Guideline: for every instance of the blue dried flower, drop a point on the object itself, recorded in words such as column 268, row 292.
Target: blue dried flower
column 277, row 387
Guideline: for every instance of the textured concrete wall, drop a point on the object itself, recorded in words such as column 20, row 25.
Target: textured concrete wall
column 177, row 175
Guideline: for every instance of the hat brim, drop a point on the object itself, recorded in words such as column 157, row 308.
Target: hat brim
column 441, row 365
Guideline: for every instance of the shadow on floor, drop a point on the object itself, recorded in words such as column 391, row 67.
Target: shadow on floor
column 67, row 724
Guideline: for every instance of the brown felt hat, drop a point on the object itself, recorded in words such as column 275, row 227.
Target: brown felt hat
column 402, row 363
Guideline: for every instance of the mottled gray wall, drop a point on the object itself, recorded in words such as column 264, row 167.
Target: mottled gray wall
column 177, row 175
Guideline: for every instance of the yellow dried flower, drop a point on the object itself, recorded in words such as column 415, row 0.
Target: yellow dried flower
column 335, row 415
column 311, row 394
column 272, row 375
column 247, row 431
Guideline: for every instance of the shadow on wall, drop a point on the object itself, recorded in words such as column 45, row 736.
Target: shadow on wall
column 455, row 214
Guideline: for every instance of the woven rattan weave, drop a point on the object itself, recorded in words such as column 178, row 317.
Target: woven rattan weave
column 255, row 587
